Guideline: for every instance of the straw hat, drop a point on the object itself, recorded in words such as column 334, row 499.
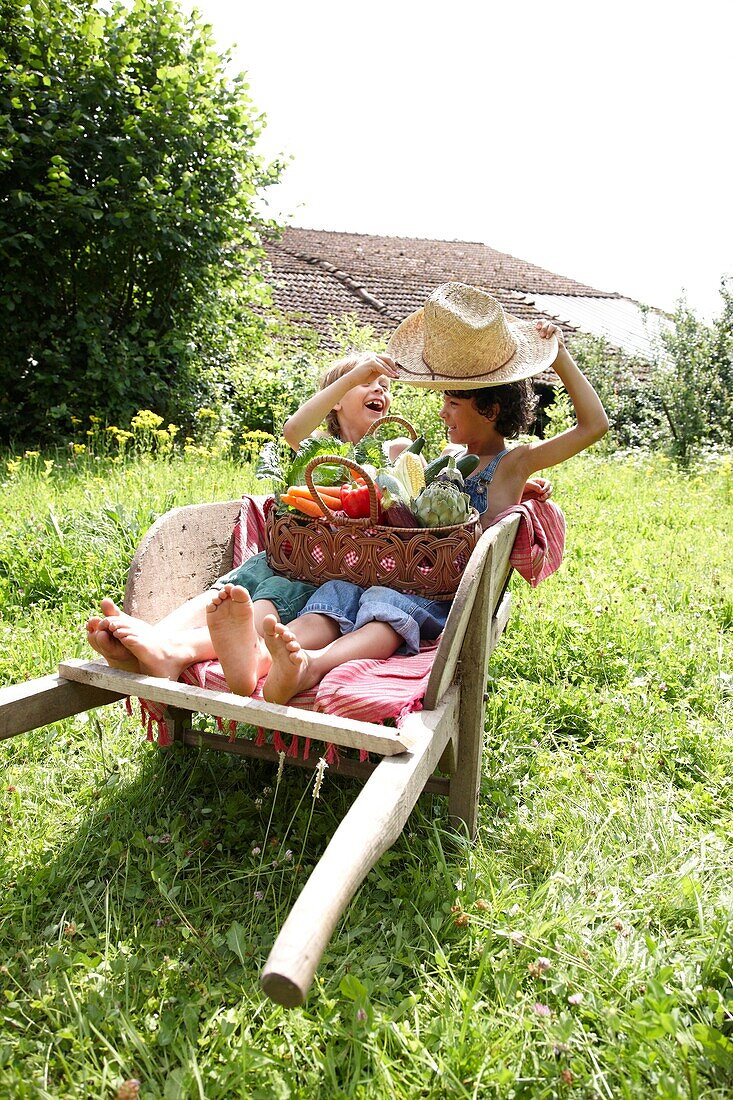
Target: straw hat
column 462, row 339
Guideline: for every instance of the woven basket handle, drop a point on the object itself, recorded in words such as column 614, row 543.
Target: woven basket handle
column 366, row 521
column 395, row 420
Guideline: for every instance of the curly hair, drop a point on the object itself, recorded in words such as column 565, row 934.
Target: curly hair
column 517, row 403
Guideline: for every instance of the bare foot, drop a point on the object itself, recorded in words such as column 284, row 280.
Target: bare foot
column 111, row 610
column 291, row 670
column 157, row 655
column 243, row 657
column 114, row 652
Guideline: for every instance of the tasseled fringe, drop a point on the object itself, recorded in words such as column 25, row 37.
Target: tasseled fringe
column 409, row 708
column 332, row 756
column 231, row 727
column 164, row 733
column 156, row 728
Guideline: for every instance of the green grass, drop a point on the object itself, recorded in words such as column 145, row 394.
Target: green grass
column 582, row 947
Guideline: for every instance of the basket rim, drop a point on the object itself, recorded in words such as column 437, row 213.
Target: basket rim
column 364, row 523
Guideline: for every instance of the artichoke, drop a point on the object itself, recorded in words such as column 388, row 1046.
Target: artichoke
column 441, row 505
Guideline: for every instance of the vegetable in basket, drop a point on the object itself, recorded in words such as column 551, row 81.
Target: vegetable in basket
column 443, row 503
column 355, row 499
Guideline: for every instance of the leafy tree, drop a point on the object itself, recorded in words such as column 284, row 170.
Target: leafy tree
column 721, row 357
column 625, row 387
column 130, row 239
column 694, row 380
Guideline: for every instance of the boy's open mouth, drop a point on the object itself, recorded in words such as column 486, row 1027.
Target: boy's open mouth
column 375, row 404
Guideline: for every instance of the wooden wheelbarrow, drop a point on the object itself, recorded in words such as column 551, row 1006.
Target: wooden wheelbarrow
column 181, row 555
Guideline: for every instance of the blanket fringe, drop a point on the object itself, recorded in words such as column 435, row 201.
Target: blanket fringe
column 332, row 755
column 294, row 749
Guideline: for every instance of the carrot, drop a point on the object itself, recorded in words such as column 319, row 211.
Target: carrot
column 328, row 494
column 310, row 507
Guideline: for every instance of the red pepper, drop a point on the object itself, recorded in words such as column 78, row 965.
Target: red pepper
column 355, row 500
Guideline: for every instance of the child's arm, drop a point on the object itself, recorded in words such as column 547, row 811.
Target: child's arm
column 538, row 487
column 307, row 418
column 591, row 420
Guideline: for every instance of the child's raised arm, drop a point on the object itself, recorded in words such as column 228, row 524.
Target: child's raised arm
column 305, row 421
column 591, row 420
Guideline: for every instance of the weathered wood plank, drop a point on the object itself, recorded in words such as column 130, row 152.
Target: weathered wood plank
column 498, row 542
column 179, row 557
column 303, row 723
column 371, row 826
column 45, row 700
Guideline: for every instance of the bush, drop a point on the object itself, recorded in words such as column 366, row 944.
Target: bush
column 626, row 390
column 694, row 379
column 129, row 237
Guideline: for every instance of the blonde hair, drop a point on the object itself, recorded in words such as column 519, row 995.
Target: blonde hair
column 337, row 370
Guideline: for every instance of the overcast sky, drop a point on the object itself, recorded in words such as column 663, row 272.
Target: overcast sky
column 591, row 139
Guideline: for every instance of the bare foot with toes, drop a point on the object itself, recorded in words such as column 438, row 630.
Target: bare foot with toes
column 230, row 619
column 114, row 652
column 291, row 670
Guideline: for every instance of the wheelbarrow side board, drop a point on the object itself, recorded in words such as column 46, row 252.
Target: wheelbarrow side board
column 184, row 551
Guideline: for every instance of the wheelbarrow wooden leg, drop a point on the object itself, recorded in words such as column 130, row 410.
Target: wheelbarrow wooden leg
column 45, row 700
column 371, row 826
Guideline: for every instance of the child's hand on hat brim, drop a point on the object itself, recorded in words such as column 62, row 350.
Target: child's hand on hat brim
column 547, row 329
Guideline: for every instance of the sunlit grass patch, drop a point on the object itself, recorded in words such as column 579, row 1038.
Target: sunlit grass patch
column 581, row 945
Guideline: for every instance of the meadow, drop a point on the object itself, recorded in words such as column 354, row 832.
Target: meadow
column 583, row 946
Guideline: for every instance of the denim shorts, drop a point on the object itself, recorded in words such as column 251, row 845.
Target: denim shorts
column 412, row 617
column 254, row 574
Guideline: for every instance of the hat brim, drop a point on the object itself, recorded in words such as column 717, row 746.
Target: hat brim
column 534, row 354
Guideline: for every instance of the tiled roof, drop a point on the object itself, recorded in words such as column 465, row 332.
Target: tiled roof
column 318, row 275
column 428, row 263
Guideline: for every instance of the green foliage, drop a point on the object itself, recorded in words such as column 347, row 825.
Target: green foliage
column 559, row 415
column 626, row 390
column 262, row 391
column 129, row 234
column 695, row 380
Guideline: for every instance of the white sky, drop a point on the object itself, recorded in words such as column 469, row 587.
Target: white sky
column 589, row 138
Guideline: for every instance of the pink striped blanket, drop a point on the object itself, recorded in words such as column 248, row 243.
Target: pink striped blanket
column 370, row 690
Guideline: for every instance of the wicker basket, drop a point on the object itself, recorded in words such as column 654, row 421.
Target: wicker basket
column 423, row 561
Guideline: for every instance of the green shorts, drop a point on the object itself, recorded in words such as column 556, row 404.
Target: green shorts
column 254, row 574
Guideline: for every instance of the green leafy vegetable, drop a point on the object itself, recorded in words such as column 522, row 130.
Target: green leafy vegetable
column 312, row 447
column 370, row 451
column 272, row 462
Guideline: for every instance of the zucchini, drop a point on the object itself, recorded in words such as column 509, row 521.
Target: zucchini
column 435, row 467
column 467, row 464
column 417, row 445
